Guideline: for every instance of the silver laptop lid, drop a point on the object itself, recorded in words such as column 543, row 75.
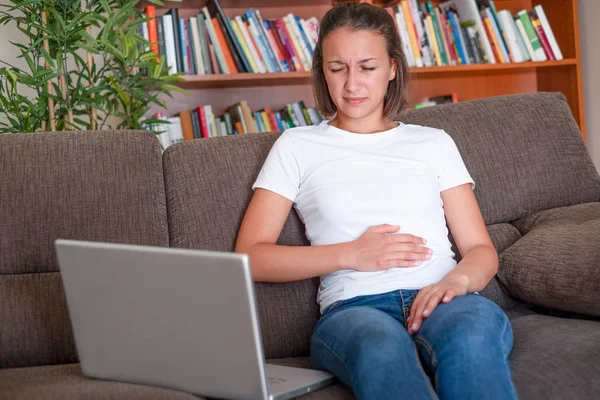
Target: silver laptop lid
column 121, row 300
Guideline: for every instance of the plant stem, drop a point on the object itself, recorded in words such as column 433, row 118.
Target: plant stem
column 49, row 83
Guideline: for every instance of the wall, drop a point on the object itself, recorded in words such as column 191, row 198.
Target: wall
column 589, row 15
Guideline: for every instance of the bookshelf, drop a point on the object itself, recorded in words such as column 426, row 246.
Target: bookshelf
column 275, row 90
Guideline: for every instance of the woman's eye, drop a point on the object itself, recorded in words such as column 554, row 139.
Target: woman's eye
column 368, row 68
column 337, row 70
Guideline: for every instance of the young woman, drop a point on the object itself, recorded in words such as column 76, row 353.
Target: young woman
column 400, row 318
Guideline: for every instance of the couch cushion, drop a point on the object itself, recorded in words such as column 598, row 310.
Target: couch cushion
column 64, row 382
column 525, row 152
column 555, row 358
column 208, row 185
column 557, row 263
column 104, row 186
column 503, row 236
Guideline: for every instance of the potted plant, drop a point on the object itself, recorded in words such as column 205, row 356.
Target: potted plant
column 88, row 67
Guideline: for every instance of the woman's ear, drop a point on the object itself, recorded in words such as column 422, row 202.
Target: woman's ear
column 393, row 69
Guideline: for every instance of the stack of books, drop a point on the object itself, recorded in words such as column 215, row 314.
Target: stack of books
column 462, row 32
column 238, row 119
column 212, row 43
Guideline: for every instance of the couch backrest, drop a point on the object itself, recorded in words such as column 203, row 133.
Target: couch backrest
column 525, row 152
column 101, row 186
column 208, row 185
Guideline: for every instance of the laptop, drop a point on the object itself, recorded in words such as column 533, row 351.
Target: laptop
column 174, row 318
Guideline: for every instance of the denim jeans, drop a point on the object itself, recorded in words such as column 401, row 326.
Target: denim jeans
column 460, row 351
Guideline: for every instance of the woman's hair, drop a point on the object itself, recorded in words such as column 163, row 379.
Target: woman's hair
column 356, row 17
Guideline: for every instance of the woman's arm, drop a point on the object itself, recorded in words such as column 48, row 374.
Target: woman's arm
column 260, row 229
column 479, row 261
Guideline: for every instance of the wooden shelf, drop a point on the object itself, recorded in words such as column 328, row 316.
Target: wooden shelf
column 492, row 67
column 303, row 78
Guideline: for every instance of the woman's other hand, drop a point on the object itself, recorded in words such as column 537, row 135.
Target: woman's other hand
column 428, row 298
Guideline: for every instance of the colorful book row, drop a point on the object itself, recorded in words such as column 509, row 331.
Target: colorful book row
column 212, row 43
column 238, row 119
column 460, row 32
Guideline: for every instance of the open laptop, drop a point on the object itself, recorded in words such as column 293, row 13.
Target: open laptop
column 182, row 319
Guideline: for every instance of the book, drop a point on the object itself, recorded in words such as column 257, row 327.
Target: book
column 170, row 45
column 539, row 10
column 537, row 25
column 540, row 55
column 152, row 29
column 525, row 39
column 175, row 131
column 177, row 38
column 187, row 129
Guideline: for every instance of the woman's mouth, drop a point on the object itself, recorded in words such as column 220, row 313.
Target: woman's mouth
column 354, row 101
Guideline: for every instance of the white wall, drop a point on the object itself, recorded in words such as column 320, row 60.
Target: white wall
column 589, row 15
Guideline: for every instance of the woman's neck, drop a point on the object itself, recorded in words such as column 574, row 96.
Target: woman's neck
column 366, row 125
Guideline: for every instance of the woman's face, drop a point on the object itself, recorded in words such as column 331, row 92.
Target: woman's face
column 357, row 69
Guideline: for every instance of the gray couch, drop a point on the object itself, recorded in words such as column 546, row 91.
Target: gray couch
column 537, row 188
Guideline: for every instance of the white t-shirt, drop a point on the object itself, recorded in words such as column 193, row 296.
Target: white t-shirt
column 343, row 183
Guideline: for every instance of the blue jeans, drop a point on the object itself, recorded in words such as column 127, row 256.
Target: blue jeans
column 460, row 352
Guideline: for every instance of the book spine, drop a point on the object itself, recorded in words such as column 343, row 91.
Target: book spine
column 431, row 33
column 535, row 21
column 183, row 46
column 191, row 46
column 460, row 38
column 203, row 122
column 539, row 10
column 204, row 44
column 186, row 125
column 223, row 46
column 160, row 31
column 199, row 63
column 438, row 34
column 152, row 29
column 170, row 46
column 540, row 55
column 177, row 39
column 525, row 38
column 492, row 38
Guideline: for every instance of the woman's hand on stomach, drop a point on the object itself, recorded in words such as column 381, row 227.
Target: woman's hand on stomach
column 377, row 249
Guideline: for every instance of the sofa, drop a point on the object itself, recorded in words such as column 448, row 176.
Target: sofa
column 537, row 188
